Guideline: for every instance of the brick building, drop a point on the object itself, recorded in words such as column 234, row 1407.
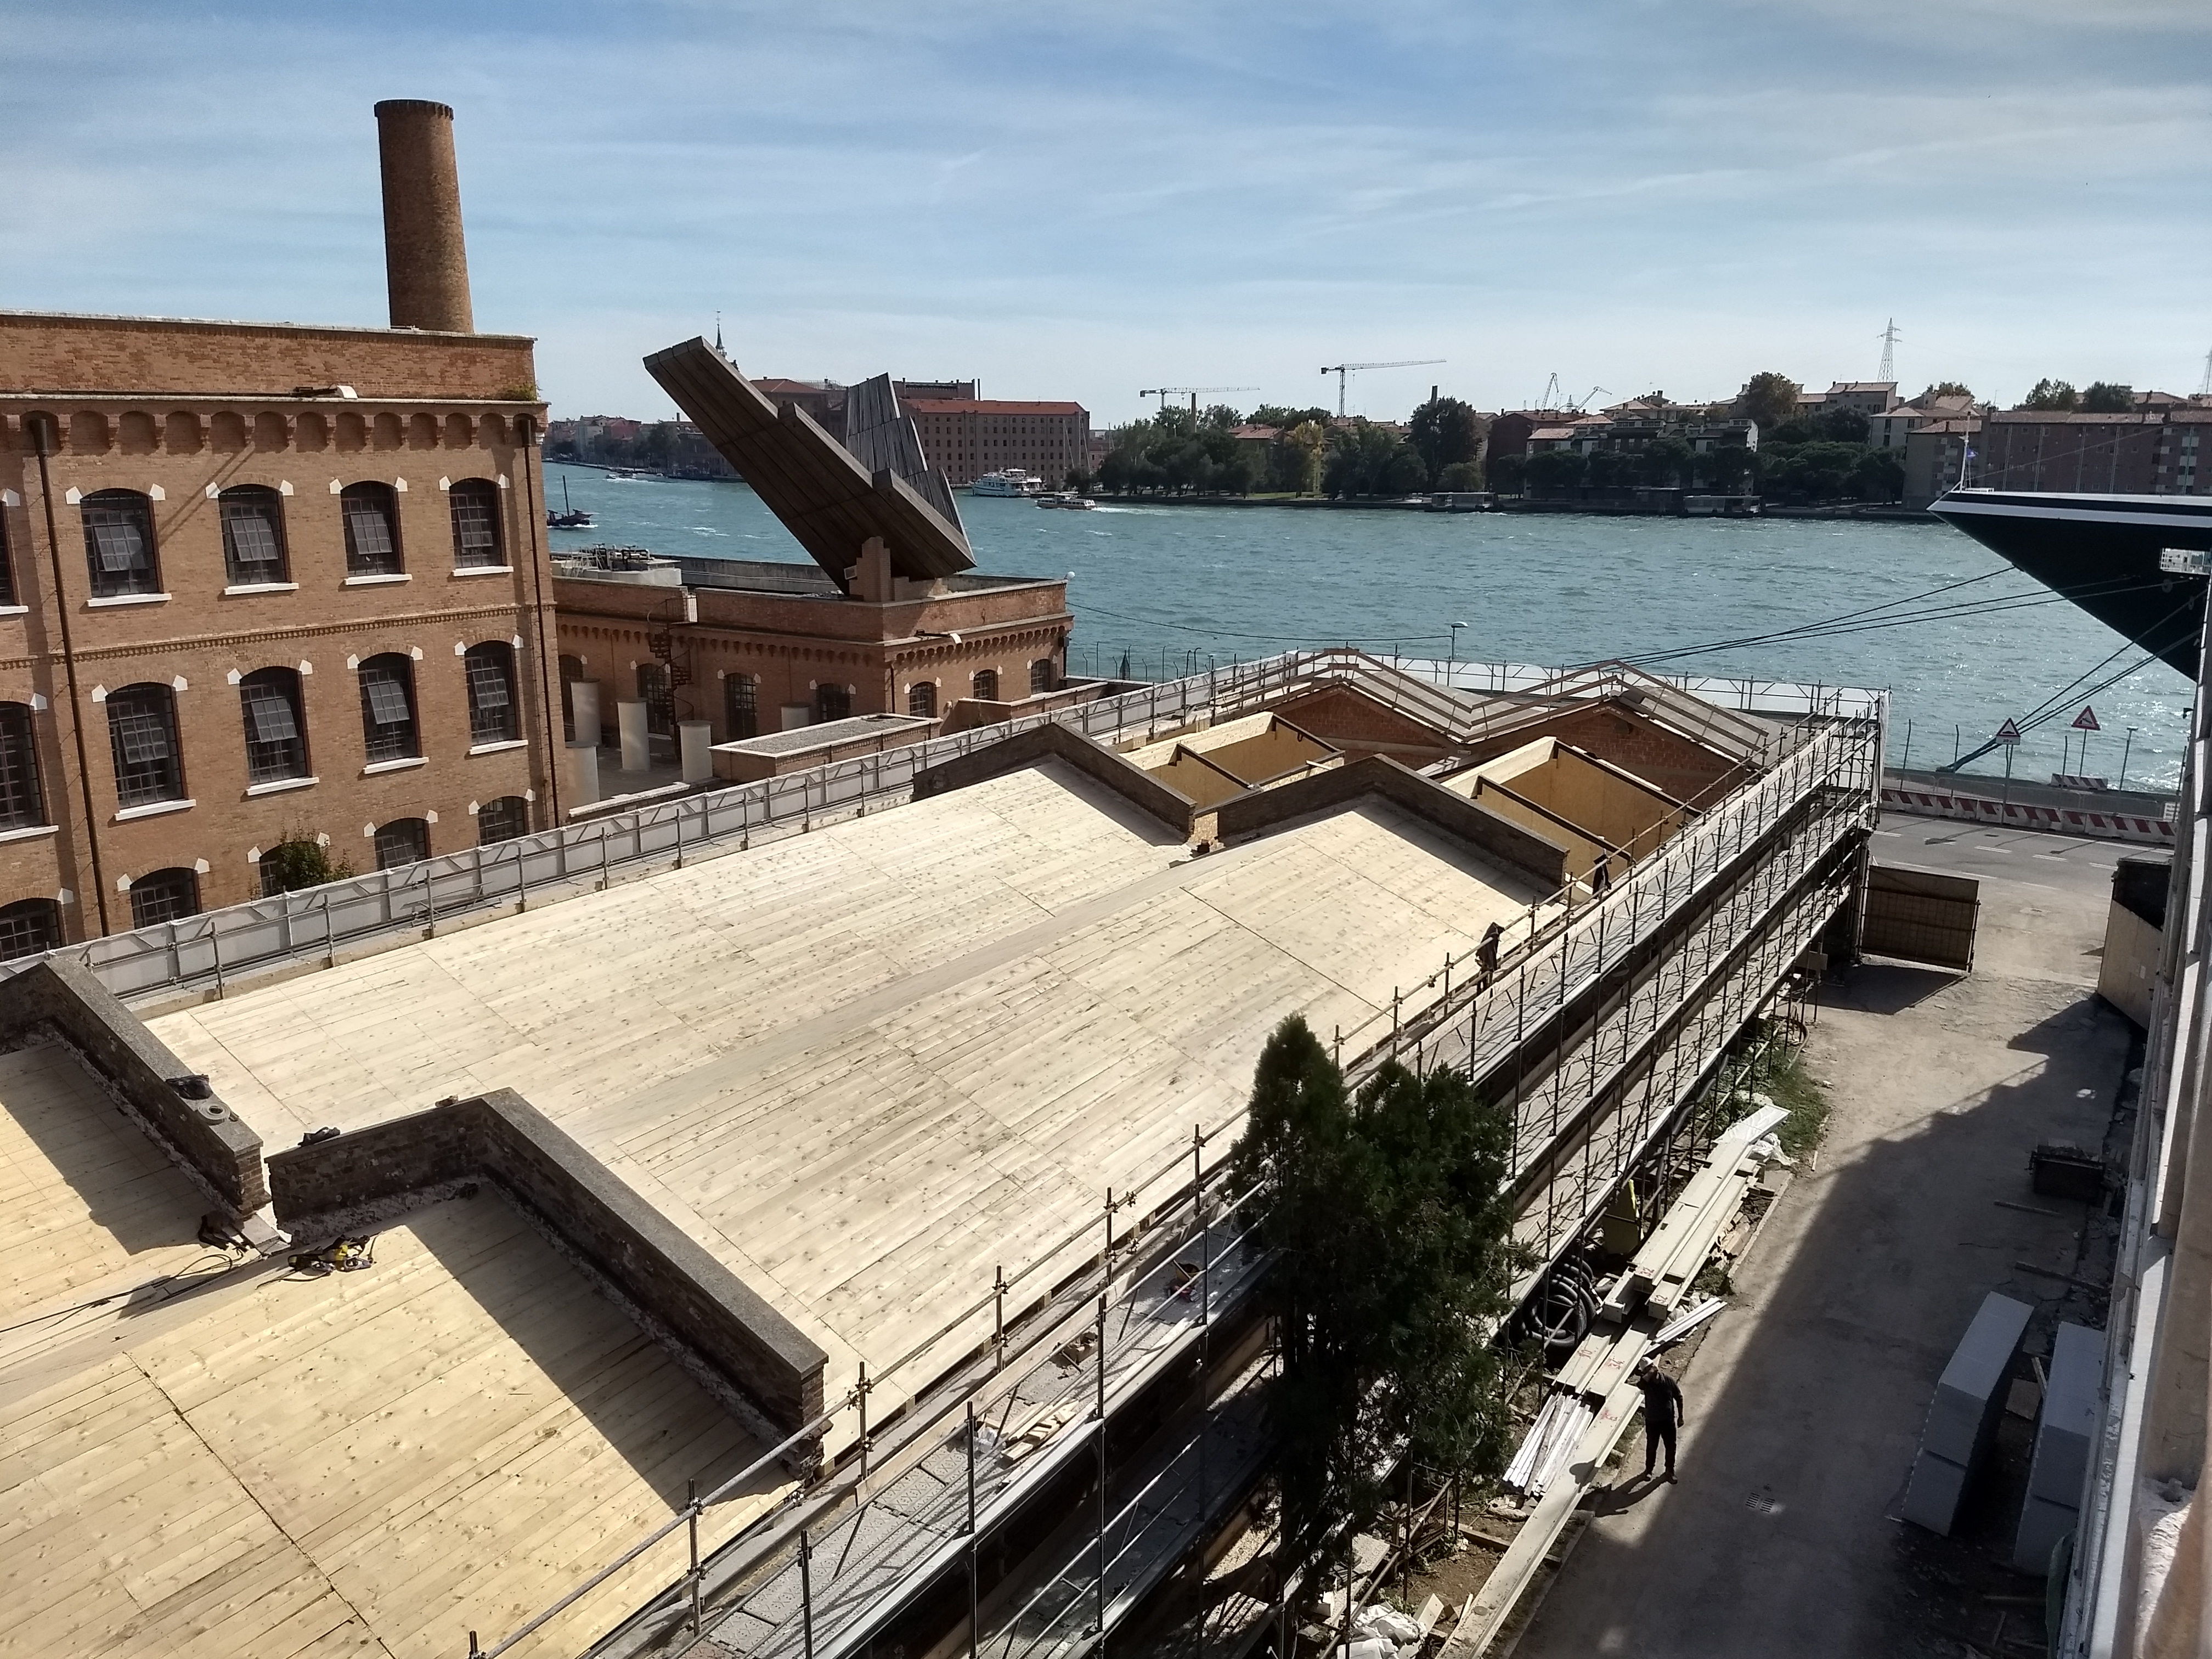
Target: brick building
column 261, row 583
column 753, row 647
column 969, row 436
column 1936, row 457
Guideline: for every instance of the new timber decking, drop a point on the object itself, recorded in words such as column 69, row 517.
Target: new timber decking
column 865, row 1066
column 91, row 1206
column 364, row 1463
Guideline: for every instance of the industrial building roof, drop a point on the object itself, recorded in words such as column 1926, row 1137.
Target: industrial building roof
column 866, row 1066
column 212, row 1457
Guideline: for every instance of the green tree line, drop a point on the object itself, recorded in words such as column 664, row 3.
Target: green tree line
column 1177, row 451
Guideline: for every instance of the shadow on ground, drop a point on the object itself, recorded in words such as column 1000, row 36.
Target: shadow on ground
column 1805, row 1405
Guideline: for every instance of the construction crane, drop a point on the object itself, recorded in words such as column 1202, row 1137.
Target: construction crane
column 1583, row 403
column 1164, row 392
column 1342, row 370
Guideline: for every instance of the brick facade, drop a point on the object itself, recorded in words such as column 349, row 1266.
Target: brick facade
column 788, row 646
column 967, row 437
column 177, row 445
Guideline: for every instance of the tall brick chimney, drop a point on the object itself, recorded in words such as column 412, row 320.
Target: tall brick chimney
column 425, row 264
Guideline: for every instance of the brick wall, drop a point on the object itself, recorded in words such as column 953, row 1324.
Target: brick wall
column 221, row 1154
column 738, row 1347
column 164, row 356
column 205, row 633
column 790, row 646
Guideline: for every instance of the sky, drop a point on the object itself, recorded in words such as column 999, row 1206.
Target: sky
column 1079, row 201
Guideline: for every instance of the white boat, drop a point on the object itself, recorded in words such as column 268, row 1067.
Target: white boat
column 1011, row 481
column 1079, row 504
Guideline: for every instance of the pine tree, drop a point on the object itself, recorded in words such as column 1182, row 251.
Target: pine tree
column 1392, row 1218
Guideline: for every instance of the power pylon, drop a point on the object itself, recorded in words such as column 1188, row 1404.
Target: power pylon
column 1889, row 337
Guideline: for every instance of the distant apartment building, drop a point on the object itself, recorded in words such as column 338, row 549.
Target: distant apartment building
column 969, row 436
column 2047, row 449
column 261, row 583
column 1890, row 429
column 1868, row 398
column 1936, row 457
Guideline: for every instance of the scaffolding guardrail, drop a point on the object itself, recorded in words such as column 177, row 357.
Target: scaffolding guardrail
column 208, row 950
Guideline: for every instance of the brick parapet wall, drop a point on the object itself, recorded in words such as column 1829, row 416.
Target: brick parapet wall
column 47, row 353
column 752, row 1358
column 203, row 1137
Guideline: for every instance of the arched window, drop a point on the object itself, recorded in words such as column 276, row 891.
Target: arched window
column 403, row 841
column 493, row 716
column 502, row 819
column 832, row 703
column 119, row 544
column 253, row 536
column 921, row 699
column 387, row 708
column 372, row 530
column 22, row 803
column 741, row 699
column 986, row 685
column 1045, row 675
column 164, row 896
column 141, row 730
column 476, row 524
column 275, row 725
column 28, row 926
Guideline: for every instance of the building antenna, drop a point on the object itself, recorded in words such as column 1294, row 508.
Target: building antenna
column 1888, row 336
column 2205, row 389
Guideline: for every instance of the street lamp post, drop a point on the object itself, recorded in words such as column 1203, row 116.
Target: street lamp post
column 1455, row 627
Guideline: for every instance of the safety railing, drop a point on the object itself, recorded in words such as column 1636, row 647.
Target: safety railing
column 1565, row 943
column 1013, row 1329
column 210, row 950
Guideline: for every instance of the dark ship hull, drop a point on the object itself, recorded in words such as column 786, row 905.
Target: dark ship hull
column 2102, row 552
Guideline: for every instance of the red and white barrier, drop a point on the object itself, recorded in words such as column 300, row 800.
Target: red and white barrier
column 2061, row 820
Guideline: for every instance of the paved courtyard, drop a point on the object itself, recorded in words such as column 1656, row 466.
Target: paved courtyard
column 1804, row 1405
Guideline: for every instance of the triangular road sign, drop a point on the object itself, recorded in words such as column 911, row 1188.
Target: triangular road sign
column 2008, row 733
column 2086, row 720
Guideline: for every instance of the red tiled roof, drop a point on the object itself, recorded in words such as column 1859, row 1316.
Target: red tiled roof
column 984, row 406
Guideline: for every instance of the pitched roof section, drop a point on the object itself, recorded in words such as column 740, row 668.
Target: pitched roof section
column 828, row 500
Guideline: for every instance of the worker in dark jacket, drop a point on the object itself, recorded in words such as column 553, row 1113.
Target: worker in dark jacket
column 1662, row 1412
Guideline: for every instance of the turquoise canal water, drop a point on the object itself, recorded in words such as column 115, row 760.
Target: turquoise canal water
column 1177, row 587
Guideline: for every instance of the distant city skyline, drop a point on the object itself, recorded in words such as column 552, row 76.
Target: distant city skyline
column 1074, row 206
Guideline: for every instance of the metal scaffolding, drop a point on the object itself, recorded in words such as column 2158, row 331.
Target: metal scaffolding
column 1600, row 1023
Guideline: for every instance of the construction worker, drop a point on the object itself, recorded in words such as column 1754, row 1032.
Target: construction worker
column 1486, row 952
column 1662, row 1413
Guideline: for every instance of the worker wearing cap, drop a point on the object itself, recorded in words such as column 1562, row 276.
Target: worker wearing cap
column 1662, row 1412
